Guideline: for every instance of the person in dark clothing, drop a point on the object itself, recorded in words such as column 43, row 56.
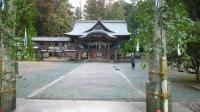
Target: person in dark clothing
column 133, row 62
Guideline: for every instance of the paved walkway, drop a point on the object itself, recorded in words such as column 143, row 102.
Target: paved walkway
column 25, row 105
column 91, row 87
column 91, row 81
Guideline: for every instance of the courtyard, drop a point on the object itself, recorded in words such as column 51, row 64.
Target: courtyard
column 91, row 86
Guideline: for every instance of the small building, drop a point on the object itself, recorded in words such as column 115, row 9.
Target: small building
column 53, row 46
column 89, row 39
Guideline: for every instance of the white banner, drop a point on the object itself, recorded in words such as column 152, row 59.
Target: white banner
column 137, row 47
column 178, row 50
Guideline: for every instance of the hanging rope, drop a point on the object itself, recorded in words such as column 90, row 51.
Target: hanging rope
column 8, row 90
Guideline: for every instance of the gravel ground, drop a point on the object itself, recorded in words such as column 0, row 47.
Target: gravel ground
column 194, row 106
column 138, row 76
column 37, row 74
column 181, row 84
column 92, row 81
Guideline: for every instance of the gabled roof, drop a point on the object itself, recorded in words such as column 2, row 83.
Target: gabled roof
column 100, row 24
column 51, row 39
column 112, row 28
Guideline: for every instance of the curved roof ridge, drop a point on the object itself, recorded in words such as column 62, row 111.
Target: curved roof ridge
column 115, row 27
column 98, row 31
column 114, row 21
column 101, row 23
column 88, row 21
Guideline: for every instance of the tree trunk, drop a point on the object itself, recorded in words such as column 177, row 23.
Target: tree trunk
column 196, row 66
column 197, row 73
column 157, row 89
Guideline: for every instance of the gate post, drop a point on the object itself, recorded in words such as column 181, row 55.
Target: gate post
column 157, row 89
column 7, row 75
column 7, row 83
column 1, row 75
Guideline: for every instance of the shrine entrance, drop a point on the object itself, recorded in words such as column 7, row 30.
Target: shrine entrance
column 97, row 47
column 98, row 50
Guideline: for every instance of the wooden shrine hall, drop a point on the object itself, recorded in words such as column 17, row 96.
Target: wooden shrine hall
column 89, row 39
column 100, row 39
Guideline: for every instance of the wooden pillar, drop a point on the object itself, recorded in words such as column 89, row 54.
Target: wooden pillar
column 74, row 55
column 88, row 55
column 115, row 55
column 108, row 51
column 122, row 56
column 1, row 76
column 77, row 45
column 54, row 49
column 79, row 55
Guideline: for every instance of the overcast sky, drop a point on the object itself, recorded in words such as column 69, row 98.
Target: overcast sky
column 76, row 3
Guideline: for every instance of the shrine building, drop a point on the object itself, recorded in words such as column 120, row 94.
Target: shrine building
column 92, row 40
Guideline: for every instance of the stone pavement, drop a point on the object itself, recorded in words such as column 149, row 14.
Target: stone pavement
column 91, row 81
column 91, row 87
column 27, row 105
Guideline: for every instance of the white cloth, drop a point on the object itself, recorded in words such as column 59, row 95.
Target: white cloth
column 25, row 39
column 178, row 50
column 2, row 7
column 137, row 47
column 158, row 3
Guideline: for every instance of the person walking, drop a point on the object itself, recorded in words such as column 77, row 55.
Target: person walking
column 133, row 62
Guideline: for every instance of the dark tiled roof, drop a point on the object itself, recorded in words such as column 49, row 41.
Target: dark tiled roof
column 118, row 28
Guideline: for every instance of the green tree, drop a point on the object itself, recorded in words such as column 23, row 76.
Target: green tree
column 115, row 11
column 77, row 13
column 94, row 9
column 142, row 18
column 8, row 26
column 193, row 47
column 18, row 15
column 60, row 20
column 45, row 8
column 193, row 8
column 54, row 18
column 180, row 29
column 25, row 15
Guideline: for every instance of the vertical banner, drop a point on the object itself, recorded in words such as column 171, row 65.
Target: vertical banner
column 138, row 46
column 2, row 4
column 25, row 39
column 158, row 3
column 178, row 50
